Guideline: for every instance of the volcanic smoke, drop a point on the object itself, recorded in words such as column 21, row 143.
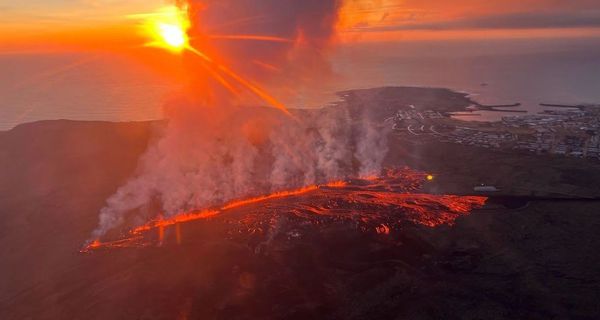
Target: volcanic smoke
column 222, row 142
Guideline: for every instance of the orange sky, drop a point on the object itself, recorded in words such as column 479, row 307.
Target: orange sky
column 102, row 24
column 442, row 19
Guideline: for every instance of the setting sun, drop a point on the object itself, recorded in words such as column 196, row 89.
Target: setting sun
column 173, row 36
column 167, row 28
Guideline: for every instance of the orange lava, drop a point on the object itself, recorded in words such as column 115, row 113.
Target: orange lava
column 336, row 184
column 381, row 206
column 162, row 223
column 371, row 178
column 282, row 194
column 123, row 243
column 180, row 218
column 383, row 229
column 94, row 245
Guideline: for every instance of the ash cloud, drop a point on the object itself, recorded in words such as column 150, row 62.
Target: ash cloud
column 216, row 150
column 309, row 26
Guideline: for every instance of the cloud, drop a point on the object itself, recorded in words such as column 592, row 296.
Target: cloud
column 310, row 23
column 431, row 15
column 527, row 20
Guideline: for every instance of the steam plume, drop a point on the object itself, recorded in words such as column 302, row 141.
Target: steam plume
column 215, row 148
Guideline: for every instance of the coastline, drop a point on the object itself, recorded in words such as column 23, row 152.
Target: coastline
column 487, row 113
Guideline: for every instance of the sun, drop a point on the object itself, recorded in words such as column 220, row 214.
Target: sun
column 167, row 28
column 173, row 36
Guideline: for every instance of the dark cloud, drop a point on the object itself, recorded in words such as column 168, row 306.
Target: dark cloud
column 308, row 26
column 524, row 20
column 311, row 20
column 532, row 20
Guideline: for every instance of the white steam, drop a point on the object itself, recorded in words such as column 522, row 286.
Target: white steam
column 208, row 156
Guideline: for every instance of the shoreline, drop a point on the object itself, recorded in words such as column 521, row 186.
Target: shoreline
column 343, row 94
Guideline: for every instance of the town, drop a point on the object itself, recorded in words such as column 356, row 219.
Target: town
column 572, row 131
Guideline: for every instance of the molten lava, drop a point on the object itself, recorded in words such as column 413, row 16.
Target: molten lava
column 281, row 194
column 380, row 204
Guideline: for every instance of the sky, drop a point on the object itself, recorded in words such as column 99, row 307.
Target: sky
column 84, row 29
column 70, row 12
column 31, row 23
column 393, row 19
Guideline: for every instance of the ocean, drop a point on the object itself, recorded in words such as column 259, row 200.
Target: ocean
column 78, row 87
column 494, row 72
column 102, row 87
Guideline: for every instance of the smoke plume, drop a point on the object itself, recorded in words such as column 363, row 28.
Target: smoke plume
column 217, row 147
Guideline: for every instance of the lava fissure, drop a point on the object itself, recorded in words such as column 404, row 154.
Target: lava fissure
column 377, row 204
column 162, row 223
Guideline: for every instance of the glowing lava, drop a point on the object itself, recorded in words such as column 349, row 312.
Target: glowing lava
column 162, row 223
column 379, row 205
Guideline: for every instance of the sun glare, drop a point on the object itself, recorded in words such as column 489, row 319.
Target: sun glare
column 167, row 28
column 173, row 36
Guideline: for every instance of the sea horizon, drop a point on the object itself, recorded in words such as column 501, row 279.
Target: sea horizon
column 562, row 71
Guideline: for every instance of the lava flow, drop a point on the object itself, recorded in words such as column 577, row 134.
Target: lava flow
column 379, row 204
column 162, row 223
